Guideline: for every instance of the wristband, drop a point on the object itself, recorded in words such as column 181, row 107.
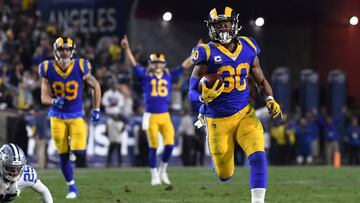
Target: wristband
column 269, row 98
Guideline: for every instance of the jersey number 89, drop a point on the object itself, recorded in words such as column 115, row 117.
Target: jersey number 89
column 68, row 90
column 234, row 80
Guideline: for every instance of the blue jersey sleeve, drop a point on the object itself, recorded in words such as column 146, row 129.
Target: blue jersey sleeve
column 252, row 42
column 140, row 71
column 43, row 67
column 85, row 66
column 176, row 73
column 200, row 54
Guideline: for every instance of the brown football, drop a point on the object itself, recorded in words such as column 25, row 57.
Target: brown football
column 209, row 80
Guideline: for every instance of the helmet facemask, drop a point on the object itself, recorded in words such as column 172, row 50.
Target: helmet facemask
column 157, row 66
column 219, row 34
column 13, row 172
column 62, row 45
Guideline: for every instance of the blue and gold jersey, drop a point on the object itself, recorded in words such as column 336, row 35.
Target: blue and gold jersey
column 157, row 88
column 234, row 69
column 67, row 84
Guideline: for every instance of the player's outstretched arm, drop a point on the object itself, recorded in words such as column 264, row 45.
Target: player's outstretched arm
column 46, row 98
column 40, row 188
column 94, row 84
column 187, row 63
column 265, row 89
column 125, row 45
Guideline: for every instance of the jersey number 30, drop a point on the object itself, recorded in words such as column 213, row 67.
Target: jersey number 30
column 159, row 88
column 68, row 90
column 234, row 79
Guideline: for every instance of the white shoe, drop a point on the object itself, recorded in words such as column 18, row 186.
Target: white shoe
column 164, row 177
column 71, row 195
column 155, row 179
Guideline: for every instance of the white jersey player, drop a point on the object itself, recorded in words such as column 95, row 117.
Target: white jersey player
column 15, row 176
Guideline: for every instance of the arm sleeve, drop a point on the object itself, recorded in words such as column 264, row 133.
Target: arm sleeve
column 194, row 94
column 176, row 72
column 140, row 71
column 40, row 188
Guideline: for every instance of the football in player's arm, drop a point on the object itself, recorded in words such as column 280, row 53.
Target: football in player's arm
column 62, row 83
column 16, row 176
column 226, row 110
column 156, row 83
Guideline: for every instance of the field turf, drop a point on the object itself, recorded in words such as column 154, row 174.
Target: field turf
column 286, row 184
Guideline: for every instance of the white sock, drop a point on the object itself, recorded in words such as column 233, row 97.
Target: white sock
column 163, row 166
column 258, row 195
column 72, row 182
column 154, row 172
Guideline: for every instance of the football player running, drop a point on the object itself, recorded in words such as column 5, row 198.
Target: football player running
column 156, row 83
column 61, row 87
column 227, row 112
column 16, row 176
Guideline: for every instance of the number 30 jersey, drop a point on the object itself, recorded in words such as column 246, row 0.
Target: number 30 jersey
column 9, row 191
column 67, row 84
column 233, row 68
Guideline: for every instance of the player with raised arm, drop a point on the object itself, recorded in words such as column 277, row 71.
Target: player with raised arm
column 156, row 82
column 61, row 87
column 16, row 176
column 227, row 112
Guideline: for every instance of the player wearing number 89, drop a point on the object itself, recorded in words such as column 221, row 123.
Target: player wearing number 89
column 156, row 82
column 16, row 176
column 229, row 116
column 61, row 87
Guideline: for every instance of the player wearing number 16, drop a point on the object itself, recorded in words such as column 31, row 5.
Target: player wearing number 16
column 229, row 116
column 61, row 88
column 156, row 83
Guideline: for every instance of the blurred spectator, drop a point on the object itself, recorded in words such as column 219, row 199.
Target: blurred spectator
column 41, row 137
column 116, row 130
column 20, row 134
column 353, row 139
column 176, row 97
column 3, row 39
column 303, row 142
column 22, row 97
column 187, row 132
column 285, row 139
column 127, row 110
column 315, row 148
column 113, row 100
column 141, row 142
column 331, row 138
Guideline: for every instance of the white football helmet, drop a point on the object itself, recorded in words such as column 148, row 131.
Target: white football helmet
column 12, row 161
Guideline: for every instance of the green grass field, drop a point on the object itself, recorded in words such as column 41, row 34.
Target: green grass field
column 286, row 184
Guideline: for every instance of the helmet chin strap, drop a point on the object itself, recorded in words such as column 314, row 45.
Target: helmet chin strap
column 64, row 62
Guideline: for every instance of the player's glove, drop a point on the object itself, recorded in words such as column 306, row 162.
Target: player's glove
column 273, row 107
column 58, row 102
column 209, row 94
column 95, row 115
